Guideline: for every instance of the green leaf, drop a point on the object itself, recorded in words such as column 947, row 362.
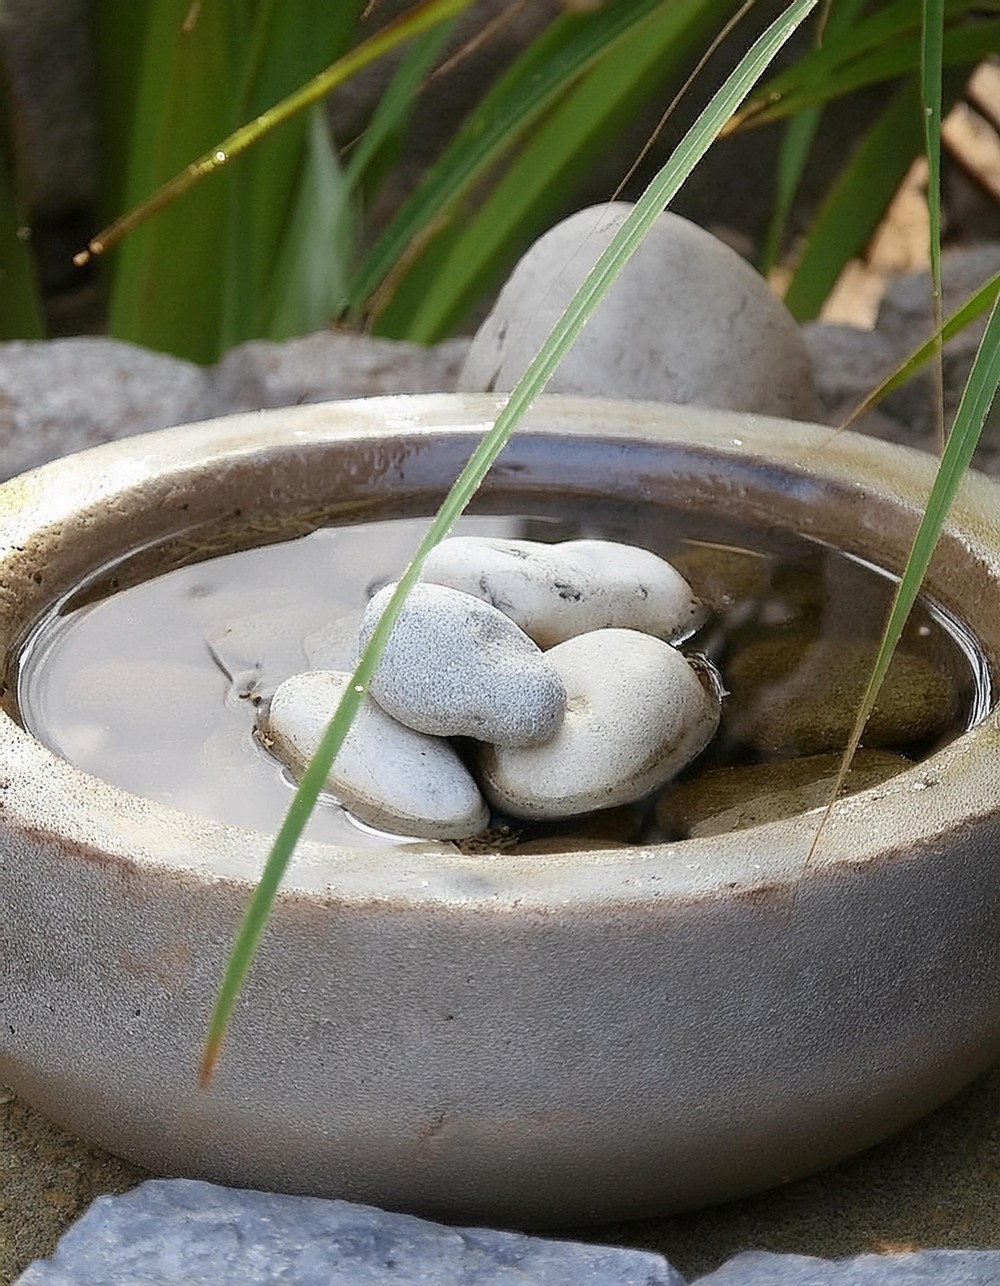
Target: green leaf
column 884, row 47
column 309, row 276
column 626, row 241
column 977, row 398
column 859, row 196
column 475, row 251
column 383, row 135
column 194, row 280
column 796, row 146
column 528, row 89
column 931, row 59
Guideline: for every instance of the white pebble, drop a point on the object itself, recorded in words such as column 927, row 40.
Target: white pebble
column 637, row 713
column 555, row 592
column 456, row 667
column 389, row 776
column 687, row 321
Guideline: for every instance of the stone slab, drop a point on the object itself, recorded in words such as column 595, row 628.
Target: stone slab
column 184, row 1232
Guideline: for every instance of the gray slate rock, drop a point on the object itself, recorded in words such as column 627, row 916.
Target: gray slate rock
column 921, row 1268
column 849, row 362
column 182, row 1232
column 327, row 365
column 64, row 395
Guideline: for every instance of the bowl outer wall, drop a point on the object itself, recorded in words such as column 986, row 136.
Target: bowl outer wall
column 534, row 1040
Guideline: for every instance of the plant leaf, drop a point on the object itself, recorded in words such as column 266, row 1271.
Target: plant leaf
column 859, row 196
column 626, row 241
column 796, row 145
column 474, row 251
column 884, row 47
column 529, row 88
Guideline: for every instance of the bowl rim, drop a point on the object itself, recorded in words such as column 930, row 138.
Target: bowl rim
column 44, row 796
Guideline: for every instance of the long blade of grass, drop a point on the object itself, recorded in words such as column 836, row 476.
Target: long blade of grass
column 623, row 245
column 885, row 46
column 308, row 281
column 278, row 217
column 369, row 155
column 416, row 20
column 973, row 307
column 977, row 398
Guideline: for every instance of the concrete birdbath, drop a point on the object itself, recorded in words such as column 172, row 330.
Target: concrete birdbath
column 513, row 1036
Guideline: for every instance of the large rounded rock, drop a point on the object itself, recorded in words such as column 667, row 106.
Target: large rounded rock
column 687, row 321
column 387, row 775
column 455, row 666
column 637, row 713
column 555, row 592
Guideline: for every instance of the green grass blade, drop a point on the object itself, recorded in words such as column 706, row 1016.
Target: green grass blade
column 180, row 283
column 857, row 200
column 973, row 307
column 382, row 137
column 182, row 100
column 977, row 398
column 884, row 47
column 282, row 178
column 521, row 97
column 308, row 280
column 475, row 251
column 626, row 241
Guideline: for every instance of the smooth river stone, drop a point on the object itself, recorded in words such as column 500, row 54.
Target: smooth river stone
column 389, row 776
column 637, row 713
column 555, row 592
column 687, row 321
column 456, row 667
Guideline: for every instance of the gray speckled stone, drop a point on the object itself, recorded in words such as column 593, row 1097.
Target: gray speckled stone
column 181, row 1232
column 65, row 395
column 687, row 321
column 455, row 666
column 920, row 1268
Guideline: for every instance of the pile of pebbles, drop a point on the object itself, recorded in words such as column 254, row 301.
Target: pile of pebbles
column 540, row 680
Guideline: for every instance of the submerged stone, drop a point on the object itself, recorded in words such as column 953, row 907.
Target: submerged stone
column 742, row 795
column 794, row 695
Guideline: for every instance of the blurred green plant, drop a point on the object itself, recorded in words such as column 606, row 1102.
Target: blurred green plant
column 278, row 243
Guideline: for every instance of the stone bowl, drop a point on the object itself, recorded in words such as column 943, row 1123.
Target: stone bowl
column 547, row 1040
